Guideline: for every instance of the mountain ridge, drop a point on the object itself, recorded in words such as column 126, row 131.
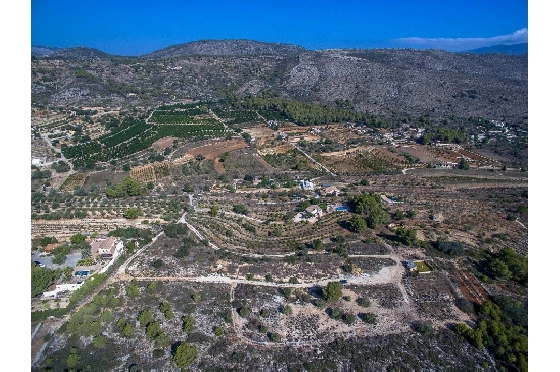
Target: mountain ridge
column 247, row 47
column 380, row 81
column 520, row 48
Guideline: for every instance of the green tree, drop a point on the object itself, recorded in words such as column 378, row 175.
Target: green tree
column 100, row 341
column 357, row 224
column 377, row 216
column 106, row 316
column 287, row 310
column 365, row 203
column 244, row 311
column 349, row 318
column 214, row 210
column 77, row 238
column 128, row 330
column 196, row 297
column 426, row 328
column 463, row 164
column 184, row 355
column 132, row 291
column 165, row 308
column 369, row 318
column 72, row 360
column 131, row 213
column 145, row 317
column 499, row 269
column 336, row 313
column 363, row 302
column 153, row 329
column 406, row 236
column 188, row 324
column 317, row 244
column 42, row 278
column 162, row 339
column 239, row 208
column 332, row 292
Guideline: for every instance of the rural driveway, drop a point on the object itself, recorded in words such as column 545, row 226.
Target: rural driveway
column 71, row 260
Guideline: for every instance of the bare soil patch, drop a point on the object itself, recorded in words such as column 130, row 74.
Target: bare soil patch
column 212, row 151
column 470, row 286
column 164, row 142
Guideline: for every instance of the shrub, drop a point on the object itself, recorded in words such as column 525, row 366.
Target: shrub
column 157, row 263
column 363, row 302
column 158, row 353
column 320, row 303
column 287, row 310
column 244, row 311
column 348, row 318
column 274, row 337
column 424, row 327
column 369, row 318
column 218, row 331
column 188, row 324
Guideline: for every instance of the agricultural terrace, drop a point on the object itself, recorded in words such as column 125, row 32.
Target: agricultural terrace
column 132, row 135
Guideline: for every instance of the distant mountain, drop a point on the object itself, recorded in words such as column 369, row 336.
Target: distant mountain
column 43, row 50
column 68, row 53
column 232, row 47
column 380, row 81
column 522, row 48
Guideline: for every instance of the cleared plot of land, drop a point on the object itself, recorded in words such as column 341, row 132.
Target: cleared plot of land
column 212, row 151
column 418, row 152
column 363, row 163
column 73, row 181
column 470, row 287
column 163, row 143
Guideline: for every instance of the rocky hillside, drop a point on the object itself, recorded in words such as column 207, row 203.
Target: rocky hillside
column 435, row 83
column 237, row 47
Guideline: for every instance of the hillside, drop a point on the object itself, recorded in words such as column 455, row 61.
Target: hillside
column 522, row 48
column 236, row 47
column 382, row 81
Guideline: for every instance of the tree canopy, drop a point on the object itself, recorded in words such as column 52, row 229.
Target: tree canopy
column 370, row 204
column 332, row 292
column 184, row 355
column 41, row 279
column 128, row 187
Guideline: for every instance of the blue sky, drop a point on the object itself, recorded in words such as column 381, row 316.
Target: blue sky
column 139, row 27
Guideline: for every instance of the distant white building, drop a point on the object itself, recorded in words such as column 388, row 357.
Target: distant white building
column 36, row 162
column 307, row 185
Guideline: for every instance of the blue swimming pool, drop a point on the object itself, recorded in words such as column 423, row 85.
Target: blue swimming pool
column 342, row 208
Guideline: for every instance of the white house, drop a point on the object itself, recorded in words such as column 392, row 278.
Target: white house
column 106, row 247
column 307, row 185
column 314, row 210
